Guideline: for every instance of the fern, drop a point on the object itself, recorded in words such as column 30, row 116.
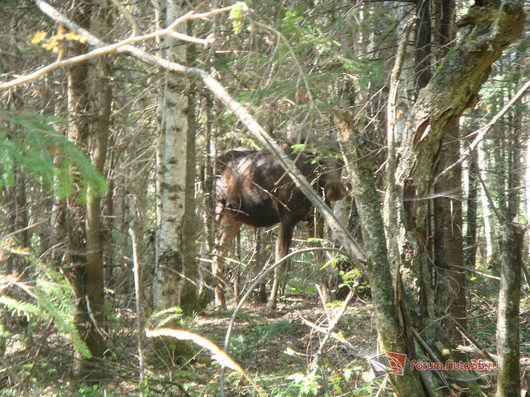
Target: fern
column 19, row 307
column 29, row 141
column 166, row 316
column 53, row 300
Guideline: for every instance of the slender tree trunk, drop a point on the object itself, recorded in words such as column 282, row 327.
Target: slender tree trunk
column 470, row 239
column 189, row 294
column 94, row 234
column 422, row 53
column 448, row 243
column 21, row 210
column 527, row 181
column 488, row 215
column 508, row 380
column 84, row 249
column 391, row 314
column 448, row 240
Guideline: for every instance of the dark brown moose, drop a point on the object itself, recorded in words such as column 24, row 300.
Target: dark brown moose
column 253, row 189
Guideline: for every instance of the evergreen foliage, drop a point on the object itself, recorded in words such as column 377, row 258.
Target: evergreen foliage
column 29, row 141
column 50, row 298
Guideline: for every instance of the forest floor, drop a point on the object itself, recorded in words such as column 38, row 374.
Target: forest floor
column 274, row 348
column 277, row 348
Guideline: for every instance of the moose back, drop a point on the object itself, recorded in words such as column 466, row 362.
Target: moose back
column 253, row 189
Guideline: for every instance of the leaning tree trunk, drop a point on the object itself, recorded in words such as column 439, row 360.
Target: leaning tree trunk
column 391, row 315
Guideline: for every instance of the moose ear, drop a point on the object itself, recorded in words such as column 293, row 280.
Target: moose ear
column 334, row 191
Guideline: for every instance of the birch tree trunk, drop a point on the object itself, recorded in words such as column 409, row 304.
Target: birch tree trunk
column 488, row 215
column 175, row 154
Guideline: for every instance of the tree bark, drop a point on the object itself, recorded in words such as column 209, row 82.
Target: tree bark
column 83, row 239
column 391, row 315
column 422, row 48
column 448, row 243
column 175, row 265
column 470, row 239
column 453, row 85
column 488, row 215
column 508, row 380
column 448, row 239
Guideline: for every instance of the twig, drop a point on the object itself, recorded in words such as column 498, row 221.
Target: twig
column 334, row 335
column 127, row 15
column 432, row 354
column 295, row 59
column 102, row 48
column 314, row 364
column 243, row 299
column 22, row 230
column 470, row 338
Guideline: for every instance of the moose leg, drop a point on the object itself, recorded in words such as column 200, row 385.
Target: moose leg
column 227, row 234
column 282, row 248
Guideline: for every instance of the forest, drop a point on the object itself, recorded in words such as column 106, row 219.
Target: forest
column 265, row 198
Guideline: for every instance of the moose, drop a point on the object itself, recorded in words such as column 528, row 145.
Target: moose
column 253, row 189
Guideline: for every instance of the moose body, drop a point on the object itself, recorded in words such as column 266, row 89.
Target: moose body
column 254, row 189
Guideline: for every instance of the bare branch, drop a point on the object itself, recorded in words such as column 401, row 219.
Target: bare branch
column 103, row 48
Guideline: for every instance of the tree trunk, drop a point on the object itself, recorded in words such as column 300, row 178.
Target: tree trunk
column 94, row 234
column 448, row 243
column 470, row 248
column 189, row 294
column 87, row 271
column 422, row 53
column 175, row 265
column 448, row 240
column 508, row 380
column 449, row 92
column 391, row 315
column 487, row 211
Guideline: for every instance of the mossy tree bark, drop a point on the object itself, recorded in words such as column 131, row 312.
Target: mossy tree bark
column 391, row 315
column 508, row 380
